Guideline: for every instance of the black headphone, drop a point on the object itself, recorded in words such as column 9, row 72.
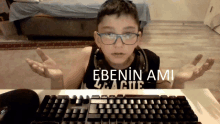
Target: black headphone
column 141, row 60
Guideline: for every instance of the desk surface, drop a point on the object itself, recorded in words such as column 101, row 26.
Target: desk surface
column 205, row 106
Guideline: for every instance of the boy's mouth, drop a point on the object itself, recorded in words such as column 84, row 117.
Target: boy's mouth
column 118, row 54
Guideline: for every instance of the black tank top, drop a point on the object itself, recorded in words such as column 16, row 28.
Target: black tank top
column 131, row 81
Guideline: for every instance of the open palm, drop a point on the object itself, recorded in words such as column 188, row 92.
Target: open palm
column 47, row 68
column 190, row 71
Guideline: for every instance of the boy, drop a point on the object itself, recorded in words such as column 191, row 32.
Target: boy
column 117, row 50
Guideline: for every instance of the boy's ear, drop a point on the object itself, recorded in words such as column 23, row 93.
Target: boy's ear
column 139, row 38
column 97, row 39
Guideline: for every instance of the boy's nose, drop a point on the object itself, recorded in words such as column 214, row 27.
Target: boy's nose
column 119, row 42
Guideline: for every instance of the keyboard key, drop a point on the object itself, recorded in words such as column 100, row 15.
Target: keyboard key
column 74, row 117
column 73, row 100
column 86, row 100
column 102, row 111
column 62, row 106
column 123, row 111
column 166, row 111
column 112, row 117
column 120, row 96
column 99, row 101
column 68, row 111
column 116, row 111
column 76, row 111
column 142, row 106
column 81, row 117
column 57, row 101
column 145, row 111
column 152, row 111
column 67, row 117
column 111, row 96
column 128, row 106
column 157, row 102
column 109, row 111
column 118, row 101
column 149, row 106
column 111, row 101
column 156, row 107
column 130, row 111
column 64, row 101
column 83, row 111
column 144, row 102
column 138, row 101
column 159, row 111
column 142, row 96
column 60, row 111
column 114, row 106
column 120, row 117
column 121, row 106
column 138, row 111
column 107, row 106
column 78, row 102
column 135, row 106
column 151, row 102
column 62, row 97
column 124, row 101
column 127, row 117
column 142, row 117
column 104, row 97
column 131, row 101
column 95, row 97
column 105, row 117
column 150, row 117
column 58, row 117
column 93, row 108
column 94, row 117
column 134, row 117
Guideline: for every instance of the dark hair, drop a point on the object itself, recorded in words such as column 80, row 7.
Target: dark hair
column 118, row 7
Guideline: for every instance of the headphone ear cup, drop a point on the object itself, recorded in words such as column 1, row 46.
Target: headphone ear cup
column 99, row 60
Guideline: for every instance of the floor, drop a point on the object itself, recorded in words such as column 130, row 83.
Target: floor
column 177, row 43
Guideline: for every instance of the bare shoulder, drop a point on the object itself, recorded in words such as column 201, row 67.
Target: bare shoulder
column 86, row 52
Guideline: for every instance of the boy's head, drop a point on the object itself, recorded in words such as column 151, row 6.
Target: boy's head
column 118, row 31
column 118, row 7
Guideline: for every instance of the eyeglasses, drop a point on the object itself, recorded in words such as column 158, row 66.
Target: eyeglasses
column 110, row 38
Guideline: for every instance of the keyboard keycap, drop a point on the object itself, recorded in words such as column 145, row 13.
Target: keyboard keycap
column 93, row 108
column 94, row 117
column 142, row 96
column 98, row 101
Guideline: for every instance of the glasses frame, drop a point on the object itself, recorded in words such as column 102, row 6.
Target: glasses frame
column 117, row 36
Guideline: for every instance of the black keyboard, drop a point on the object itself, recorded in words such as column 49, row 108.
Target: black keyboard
column 120, row 109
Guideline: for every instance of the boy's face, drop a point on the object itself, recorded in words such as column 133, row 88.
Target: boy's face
column 117, row 53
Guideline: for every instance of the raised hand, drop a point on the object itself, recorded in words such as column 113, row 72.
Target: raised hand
column 190, row 72
column 47, row 68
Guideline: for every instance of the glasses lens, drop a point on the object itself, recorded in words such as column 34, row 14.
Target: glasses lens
column 129, row 38
column 108, row 38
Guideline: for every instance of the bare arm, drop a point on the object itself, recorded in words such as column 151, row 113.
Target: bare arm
column 78, row 69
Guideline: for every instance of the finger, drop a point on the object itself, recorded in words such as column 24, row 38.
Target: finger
column 31, row 62
column 211, row 63
column 42, row 55
column 39, row 70
column 197, row 59
column 202, row 69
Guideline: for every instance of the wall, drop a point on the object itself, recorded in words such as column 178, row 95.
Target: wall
column 3, row 6
column 178, row 10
